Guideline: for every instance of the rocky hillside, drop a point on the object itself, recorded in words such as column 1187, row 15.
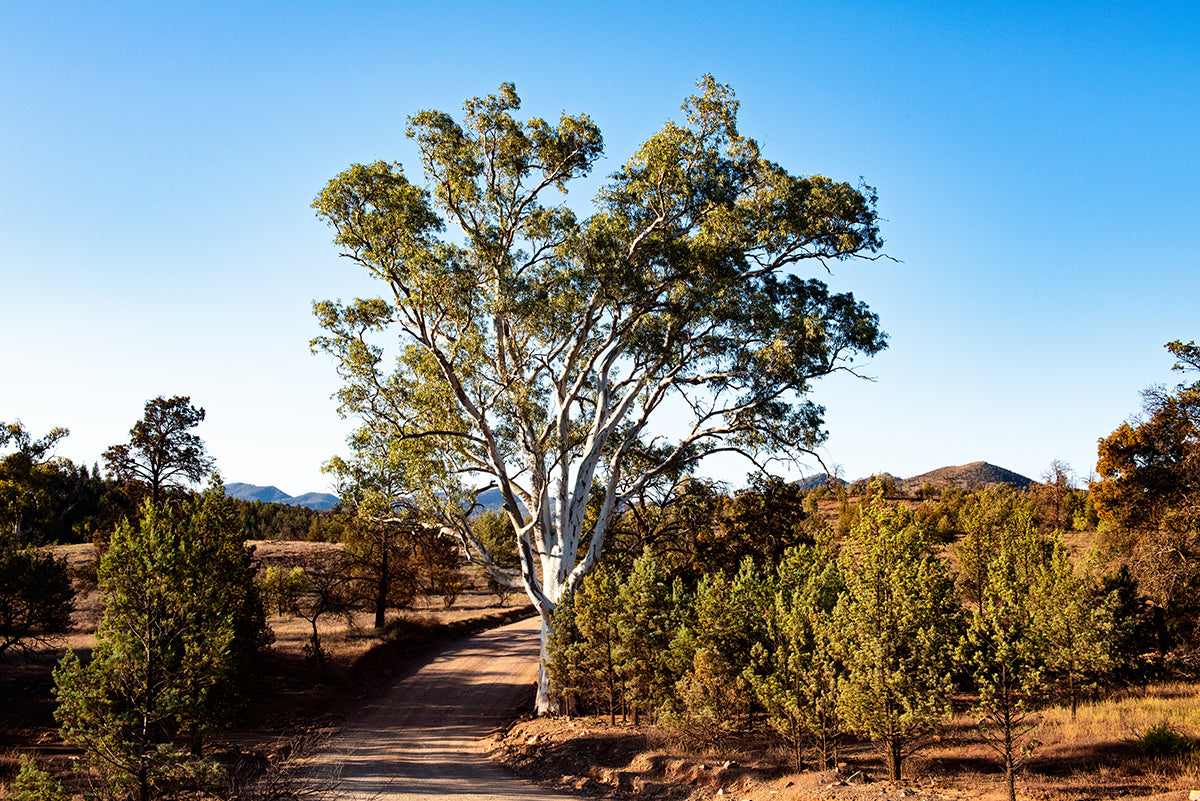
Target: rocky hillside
column 966, row 476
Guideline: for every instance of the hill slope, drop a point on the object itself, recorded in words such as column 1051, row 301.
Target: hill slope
column 966, row 476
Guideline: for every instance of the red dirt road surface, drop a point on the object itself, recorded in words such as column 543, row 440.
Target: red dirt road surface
column 423, row 739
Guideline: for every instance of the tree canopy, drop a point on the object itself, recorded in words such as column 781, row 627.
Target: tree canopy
column 36, row 598
column 540, row 353
column 26, row 476
column 1149, row 495
column 162, row 452
column 182, row 623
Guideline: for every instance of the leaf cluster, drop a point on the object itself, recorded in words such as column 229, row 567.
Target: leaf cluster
column 36, row 598
column 1148, row 497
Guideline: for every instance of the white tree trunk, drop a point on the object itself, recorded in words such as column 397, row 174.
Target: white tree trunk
column 549, row 701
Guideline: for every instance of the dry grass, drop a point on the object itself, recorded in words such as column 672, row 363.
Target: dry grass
column 1090, row 757
column 347, row 638
column 284, row 683
column 1124, row 717
column 1105, row 743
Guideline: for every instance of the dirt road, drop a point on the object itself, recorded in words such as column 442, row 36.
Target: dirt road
column 422, row 740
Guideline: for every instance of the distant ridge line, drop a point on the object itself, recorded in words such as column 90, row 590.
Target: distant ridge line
column 966, row 476
column 272, row 494
column 963, row 476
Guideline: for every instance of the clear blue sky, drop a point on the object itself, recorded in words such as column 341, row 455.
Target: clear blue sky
column 1037, row 165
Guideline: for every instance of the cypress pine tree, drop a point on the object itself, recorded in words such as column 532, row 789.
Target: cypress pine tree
column 596, row 619
column 1002, row 646
column 1073, row 629
column 643, row 620
column 34, row 784
column 563, row 652
column 898, row 624
column 730, row 619
column 182, row 619
column 796, row 667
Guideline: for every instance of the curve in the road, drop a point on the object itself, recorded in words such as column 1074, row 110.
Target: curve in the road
column 423, row 739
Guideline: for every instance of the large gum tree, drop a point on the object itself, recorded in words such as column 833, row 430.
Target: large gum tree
column 521, row 347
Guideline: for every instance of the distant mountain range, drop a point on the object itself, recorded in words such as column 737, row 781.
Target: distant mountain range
column 965, row 476
column 252, row 492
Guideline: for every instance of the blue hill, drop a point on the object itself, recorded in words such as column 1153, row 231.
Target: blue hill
column 271, row 494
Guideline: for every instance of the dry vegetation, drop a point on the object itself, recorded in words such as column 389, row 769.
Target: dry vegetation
column 1101, row 753
column 291, row 705
column 1095, row 755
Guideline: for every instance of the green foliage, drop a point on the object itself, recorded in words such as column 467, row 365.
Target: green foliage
column 27, row 483
column 383, row 573
column 584, row 653
column 36, row 598
column 715, row 694
column 46, row 500
column 645, row 623
column 281, row 588
column 532, row 350
column 992, row 515
column 899, row 623
column 760, row 522
column 676, row 518
column 1148, row 500
column 1072, row 628
column 329, row 592
column 34, row 784
column 182, row 621
column 1128, row 633
column 1085, row 517
column 565, row 656
column 438, row 557
column 796, row 667
column 1163, row 740
column 280, row 521
column 614, row 645
column 394, row 549
column 1004, row 647
column 495, row 531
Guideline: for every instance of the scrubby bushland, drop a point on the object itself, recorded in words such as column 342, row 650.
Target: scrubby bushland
column 865, row 634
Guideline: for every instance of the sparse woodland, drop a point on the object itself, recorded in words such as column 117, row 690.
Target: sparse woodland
column 819, row 617
column 538, row 355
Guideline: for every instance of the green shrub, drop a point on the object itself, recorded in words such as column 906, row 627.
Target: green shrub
column 1164, row 740
column 34, row 784
column 36, row 598
column 281, row 589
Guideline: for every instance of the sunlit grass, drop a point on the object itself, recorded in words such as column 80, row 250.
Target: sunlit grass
column 1152, row 731
column 1124, row 717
